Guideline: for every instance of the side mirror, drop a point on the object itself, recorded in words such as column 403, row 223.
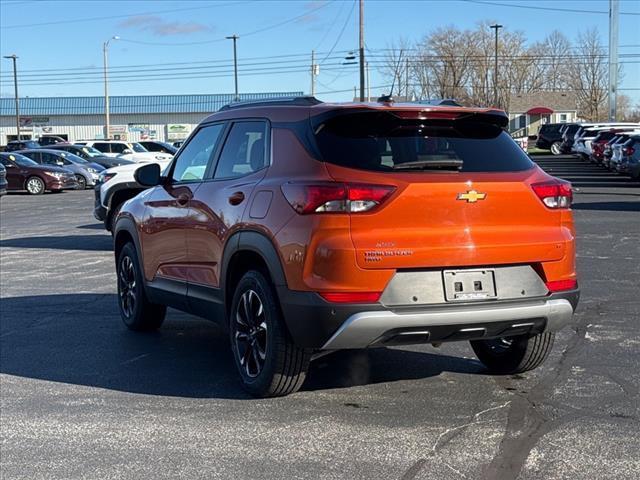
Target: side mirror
column 148, row 175
column 9, row 165
column 60, row 162
column 127, row 151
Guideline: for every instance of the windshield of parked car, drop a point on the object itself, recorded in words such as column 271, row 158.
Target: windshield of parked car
column 138, row 148
column 382, row 142
column 72, row 157
column 20, row 160
column 91, row 152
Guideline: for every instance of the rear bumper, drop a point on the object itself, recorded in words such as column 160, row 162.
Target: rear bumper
column 314, row 323
column 365, row 329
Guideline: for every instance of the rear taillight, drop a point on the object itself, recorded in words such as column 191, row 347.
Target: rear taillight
column 561, row 285
column 554, row 194
column 628, row 150
column 351, row 297
column 332, row 197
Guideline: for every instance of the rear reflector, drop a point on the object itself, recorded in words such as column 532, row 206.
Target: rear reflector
column 351, row 297
column 560, row 285
column 554, row 194
column 333, row 197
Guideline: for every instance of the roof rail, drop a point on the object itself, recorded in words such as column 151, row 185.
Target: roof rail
column 304, row 101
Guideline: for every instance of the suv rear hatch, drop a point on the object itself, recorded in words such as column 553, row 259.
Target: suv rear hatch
column 461, row 191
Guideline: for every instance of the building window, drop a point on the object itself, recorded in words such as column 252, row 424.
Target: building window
column 563, row 118
column 522, row 121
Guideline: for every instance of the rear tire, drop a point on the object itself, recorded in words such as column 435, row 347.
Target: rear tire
column 82, row 182
column 112, row 218
column 136, row 311
column 269, row 363
column 556, row 148
column 510, row 355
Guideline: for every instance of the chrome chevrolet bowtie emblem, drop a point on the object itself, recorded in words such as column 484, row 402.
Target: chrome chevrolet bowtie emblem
column 472, row 196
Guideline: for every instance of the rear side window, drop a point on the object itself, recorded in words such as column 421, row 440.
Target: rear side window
column 103, row 147
column 118, row 147
column 378, row 141
column 244, row 151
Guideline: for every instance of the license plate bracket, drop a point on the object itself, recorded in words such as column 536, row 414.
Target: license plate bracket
column 469, row 285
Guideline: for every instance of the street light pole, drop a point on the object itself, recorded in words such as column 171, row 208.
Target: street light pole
column 496, row 27
column 14, row 57
column 362, row 66
column 105, row 48
column 235, row 38
column 614, row 14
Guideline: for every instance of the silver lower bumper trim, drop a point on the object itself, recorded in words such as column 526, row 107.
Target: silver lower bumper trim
column 361, row 329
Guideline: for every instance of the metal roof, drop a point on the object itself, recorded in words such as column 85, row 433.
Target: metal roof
column 202, row 103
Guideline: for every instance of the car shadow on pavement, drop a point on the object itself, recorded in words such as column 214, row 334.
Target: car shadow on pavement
column 79, row 339
column 608, row 206
column 67, row 242
column 92, row 226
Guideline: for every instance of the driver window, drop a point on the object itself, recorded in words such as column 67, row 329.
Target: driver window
column 192, row 163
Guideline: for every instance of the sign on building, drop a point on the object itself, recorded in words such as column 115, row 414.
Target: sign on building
column 178, row 131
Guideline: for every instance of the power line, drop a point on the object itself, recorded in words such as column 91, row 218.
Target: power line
column 341, row 32
column 551, row 9
column 174, row 76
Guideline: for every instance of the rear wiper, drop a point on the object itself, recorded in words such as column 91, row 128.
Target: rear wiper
column 453, row 164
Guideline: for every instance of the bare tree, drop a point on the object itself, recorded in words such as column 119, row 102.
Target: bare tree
column 397, row 67
column 589, row 76
column 555, row 57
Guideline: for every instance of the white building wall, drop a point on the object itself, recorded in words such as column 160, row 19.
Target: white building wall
column 81, row 127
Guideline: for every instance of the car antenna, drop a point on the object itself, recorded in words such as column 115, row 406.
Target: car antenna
column 389, row 98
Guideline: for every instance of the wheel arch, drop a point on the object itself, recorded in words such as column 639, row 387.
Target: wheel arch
column 125, row 232
column 247, row 249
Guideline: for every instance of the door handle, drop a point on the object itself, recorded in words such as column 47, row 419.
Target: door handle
column 236, row 198
column 182, row 200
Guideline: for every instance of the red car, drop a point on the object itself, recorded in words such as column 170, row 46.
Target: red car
column 25, row 174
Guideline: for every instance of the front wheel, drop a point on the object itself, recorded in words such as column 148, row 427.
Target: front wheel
column 35, row 186
column 509, row 355
column 137, row 312
column 556, row 148
column 269, row 363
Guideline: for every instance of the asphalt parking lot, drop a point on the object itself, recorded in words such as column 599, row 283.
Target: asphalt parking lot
column 82, row 397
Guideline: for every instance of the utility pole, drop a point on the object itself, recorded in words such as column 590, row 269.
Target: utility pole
column 496, row 27
column 368, row 84
column 614, row 13
column 362, row 50
column 235, row 38
column 105, row 49
column 14, row 57
column 315, row 70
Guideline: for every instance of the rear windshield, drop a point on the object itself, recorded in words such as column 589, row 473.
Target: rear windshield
column 381, row 142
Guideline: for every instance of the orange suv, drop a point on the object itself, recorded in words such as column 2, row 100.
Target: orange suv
column 304, row 227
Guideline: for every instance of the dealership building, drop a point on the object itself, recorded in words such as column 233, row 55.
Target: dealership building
column 142, row 117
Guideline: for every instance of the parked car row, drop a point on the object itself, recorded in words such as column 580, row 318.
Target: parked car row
column 85, row 161
column 22, row 173
column 618, row 151
column 610, row 144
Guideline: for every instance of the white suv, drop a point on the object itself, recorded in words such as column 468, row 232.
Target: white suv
column 114, row 187
column 127, row 150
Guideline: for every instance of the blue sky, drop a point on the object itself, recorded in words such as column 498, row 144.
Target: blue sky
column 274, row 35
